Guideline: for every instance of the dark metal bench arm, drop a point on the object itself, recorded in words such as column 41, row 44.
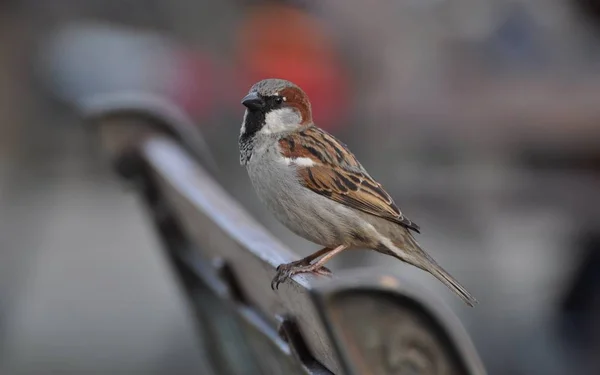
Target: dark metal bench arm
column 365, row 323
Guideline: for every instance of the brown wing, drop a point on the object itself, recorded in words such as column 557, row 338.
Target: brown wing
column 337, row 174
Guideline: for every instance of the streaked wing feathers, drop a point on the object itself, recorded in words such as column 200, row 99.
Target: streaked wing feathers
column 339, row 176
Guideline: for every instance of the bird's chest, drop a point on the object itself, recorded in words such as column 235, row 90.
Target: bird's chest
column 275, row 182
column 305, row 213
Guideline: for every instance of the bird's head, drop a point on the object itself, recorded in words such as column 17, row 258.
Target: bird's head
column 274, row 106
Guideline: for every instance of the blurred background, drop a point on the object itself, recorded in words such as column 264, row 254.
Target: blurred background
column 481, row 118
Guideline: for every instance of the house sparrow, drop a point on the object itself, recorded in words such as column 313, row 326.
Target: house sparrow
column 315, row 186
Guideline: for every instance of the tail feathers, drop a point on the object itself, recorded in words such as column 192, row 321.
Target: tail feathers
column 451, row 283
column 416, row 256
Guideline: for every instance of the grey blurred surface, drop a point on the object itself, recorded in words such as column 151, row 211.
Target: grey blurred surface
column 91, row 292
column 83, row 285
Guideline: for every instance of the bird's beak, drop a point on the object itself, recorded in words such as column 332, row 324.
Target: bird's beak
column 253, row 101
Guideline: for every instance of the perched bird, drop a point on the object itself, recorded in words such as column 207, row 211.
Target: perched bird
column 317, row 188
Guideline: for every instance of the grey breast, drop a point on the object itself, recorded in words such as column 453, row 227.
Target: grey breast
column 304, row 212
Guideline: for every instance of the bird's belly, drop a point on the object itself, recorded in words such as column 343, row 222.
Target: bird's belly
column 307, row 214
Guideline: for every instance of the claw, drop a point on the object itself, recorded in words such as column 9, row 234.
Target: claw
column 286, row 271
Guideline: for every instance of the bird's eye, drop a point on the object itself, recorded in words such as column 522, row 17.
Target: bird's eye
column 278, row 99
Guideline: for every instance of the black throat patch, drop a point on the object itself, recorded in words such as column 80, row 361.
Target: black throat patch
column 253, row 122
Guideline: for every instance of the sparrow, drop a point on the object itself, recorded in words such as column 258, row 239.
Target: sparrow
column 317, row 188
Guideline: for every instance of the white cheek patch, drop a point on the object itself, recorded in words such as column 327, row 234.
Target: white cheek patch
column 301, row 162
column 280, row 120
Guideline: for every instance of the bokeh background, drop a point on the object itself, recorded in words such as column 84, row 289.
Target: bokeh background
column 480, row 117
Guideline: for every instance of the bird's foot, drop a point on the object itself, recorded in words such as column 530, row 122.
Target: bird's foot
column 285, row 271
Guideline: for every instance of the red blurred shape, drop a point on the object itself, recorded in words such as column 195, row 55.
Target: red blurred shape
column 279, row 41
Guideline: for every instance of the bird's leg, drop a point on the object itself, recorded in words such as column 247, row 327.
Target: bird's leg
column 285, row 271
column 306, row 261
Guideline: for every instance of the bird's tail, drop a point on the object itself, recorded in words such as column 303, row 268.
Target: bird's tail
column 416, row 256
